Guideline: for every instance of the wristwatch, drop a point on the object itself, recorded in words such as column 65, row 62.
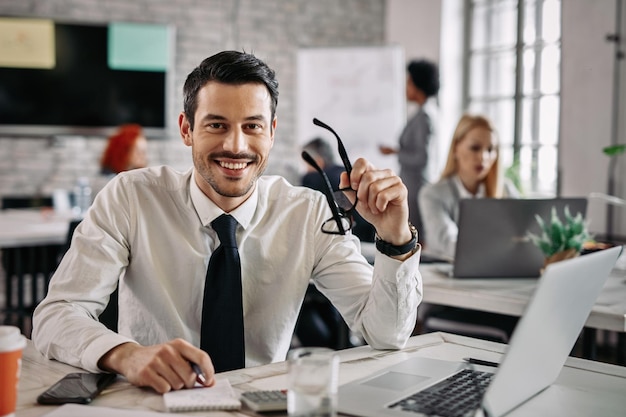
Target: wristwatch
column 388, row 249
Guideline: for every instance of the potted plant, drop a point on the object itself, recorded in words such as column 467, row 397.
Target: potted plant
column 560, row 239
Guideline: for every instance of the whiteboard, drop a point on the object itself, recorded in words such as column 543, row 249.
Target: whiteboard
column 359, row 92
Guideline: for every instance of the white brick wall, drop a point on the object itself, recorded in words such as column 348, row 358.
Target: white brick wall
column 271, row 29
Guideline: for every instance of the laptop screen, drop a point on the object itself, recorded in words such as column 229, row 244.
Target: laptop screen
column 492, row 241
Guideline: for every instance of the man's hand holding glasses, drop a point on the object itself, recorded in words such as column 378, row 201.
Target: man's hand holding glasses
column 378, row 195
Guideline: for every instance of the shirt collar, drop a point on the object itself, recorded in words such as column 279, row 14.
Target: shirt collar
column 208, row 211
column 463, row 193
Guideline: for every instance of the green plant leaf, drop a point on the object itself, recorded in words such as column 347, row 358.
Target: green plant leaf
column 541, row 223
column 557, row 235
column 614, row 150
column 546, row 248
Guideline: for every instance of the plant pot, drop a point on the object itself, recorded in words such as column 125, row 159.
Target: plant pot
column 559, row 256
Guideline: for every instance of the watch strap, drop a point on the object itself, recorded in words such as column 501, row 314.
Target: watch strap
column 388, row 249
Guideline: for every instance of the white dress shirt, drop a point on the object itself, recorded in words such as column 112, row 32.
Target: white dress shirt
column 150, row 230
column 439, row 204
column 464, row 193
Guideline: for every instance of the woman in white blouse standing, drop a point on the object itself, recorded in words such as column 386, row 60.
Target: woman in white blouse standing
column 472, row 171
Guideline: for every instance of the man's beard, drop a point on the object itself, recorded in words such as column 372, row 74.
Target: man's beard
column 208, row 176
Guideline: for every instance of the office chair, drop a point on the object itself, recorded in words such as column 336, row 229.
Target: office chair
column 478, row 324
column 320, row 324
column 27, row 269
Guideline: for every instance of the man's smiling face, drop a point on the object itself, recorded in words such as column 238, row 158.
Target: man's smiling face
column 231, row 140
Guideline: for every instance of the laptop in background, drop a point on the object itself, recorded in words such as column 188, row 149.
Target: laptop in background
column 539, row 347
column 492, row 240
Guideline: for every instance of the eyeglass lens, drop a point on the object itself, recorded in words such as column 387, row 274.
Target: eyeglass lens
column 346, row 199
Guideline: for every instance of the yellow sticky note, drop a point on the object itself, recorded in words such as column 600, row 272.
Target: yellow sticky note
column 27, row 43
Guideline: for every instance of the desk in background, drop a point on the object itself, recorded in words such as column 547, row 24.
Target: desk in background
column 510, row 295
column 583, row 387
column 30, row 227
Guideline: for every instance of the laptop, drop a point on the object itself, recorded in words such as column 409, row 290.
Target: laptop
column 492, row 240
column 541, row 342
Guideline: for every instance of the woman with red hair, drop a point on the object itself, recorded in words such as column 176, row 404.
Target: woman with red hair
column 125, row 150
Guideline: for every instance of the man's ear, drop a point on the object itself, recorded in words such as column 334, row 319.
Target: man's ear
column 273, row 129
column 185, row 129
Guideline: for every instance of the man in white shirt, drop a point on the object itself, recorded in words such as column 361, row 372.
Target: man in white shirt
column 149, row 232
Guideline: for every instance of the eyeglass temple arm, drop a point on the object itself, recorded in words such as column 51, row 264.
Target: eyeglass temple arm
column 342, row 150
column 327, row 190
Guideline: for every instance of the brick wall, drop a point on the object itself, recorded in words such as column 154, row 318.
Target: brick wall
column 273, row 30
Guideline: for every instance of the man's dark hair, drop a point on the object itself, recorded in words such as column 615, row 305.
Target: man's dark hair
column 319, row 147
column 228, row 67
column 425, row 76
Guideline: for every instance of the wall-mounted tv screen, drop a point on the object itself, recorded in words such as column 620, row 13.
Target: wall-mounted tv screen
column 98, row 77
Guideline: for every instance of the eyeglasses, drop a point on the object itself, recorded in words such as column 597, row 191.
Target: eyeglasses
column 342, row 201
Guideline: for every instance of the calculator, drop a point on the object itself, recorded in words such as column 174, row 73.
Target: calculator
column 265, row 400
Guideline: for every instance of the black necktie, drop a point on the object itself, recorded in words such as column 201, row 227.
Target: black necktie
column 222, row 310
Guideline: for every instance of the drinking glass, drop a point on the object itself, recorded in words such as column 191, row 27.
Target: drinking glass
column 313, row 374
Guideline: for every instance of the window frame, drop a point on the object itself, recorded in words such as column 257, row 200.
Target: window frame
column 531, row 181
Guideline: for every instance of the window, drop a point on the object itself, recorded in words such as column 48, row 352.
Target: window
column 513, row 57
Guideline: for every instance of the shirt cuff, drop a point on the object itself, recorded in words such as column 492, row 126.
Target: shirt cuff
column 398, row 271
column 98, row 347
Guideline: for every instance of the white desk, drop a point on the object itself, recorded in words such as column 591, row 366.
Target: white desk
column 510, row 296
column 30, row 227
column 583, row 388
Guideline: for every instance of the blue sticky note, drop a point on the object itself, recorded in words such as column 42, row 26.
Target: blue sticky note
column 138, row 47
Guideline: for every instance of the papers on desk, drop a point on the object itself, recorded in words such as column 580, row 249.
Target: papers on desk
column 78, row 410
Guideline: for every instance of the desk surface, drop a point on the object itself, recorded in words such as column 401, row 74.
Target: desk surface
column 29, row 227
column 583, row 388
column 510, row 295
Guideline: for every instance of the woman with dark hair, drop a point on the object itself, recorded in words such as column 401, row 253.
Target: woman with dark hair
column 421, row 84
column 126, row 150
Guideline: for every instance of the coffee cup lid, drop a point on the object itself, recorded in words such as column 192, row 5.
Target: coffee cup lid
column 11, row 339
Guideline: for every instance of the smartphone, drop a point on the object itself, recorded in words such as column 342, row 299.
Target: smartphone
column 78, row 387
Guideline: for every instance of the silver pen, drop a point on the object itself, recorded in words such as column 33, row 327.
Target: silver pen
column 198, row 372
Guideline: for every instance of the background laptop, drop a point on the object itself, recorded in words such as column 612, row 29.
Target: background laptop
column 542, row 341
column 491, row 241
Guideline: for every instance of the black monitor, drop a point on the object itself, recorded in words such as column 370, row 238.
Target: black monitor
column 81, row 94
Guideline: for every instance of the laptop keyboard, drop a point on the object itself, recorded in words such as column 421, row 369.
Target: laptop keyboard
column 457, row 396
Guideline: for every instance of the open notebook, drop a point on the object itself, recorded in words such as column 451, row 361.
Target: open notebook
column 542, row 340
column 218, row 397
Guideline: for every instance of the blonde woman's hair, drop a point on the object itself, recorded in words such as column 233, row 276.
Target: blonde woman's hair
column 467, row 123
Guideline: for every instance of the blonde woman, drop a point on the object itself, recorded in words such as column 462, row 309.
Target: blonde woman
column 472, row 171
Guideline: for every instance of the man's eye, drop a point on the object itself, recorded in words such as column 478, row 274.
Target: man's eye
column 215, row 125
column 254, row 126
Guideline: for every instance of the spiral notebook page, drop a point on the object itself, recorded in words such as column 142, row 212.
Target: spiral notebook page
column 218, row 397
